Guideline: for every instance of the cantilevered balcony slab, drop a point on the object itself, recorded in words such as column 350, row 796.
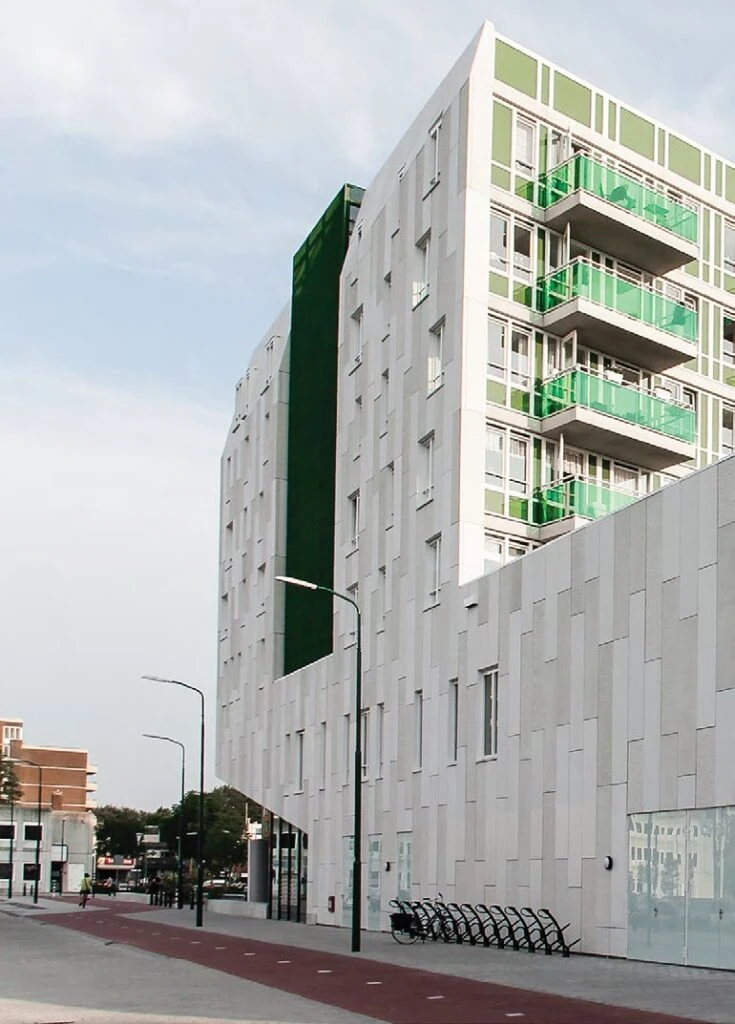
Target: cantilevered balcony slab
column 621, row 318
column 623, row 422
column 565, row 505
column 618, row 215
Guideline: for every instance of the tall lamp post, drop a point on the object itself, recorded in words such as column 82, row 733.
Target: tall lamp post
column 32, row 764
column 179, row 857
column 357, row 782
column 200, row 837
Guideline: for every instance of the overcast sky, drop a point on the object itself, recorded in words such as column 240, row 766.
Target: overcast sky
column 159, row 164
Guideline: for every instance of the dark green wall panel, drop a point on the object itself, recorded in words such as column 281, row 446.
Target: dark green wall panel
column 312, row 429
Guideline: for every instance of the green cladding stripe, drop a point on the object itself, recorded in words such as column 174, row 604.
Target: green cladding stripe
column 515, row 68
column 312, row 427
column 718, row 177
column 707, row 171
column 685, row 159
column 572, row 98
column 661, row 147
column 599, row 106
column 611, row 119
column 636, row 133
column 544, row 83
column 502, row 125
column 730, row 184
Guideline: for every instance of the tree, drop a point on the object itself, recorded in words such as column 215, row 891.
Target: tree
column 10, row 788
column 117, row 829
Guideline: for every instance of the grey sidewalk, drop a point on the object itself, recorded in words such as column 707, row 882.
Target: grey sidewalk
column 684, row 991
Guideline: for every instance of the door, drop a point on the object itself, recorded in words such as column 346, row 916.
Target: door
column 373, row 894
column 656, row 886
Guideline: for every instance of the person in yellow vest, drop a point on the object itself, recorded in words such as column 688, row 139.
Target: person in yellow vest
column 85, row 890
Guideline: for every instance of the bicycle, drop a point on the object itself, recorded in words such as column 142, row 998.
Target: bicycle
column 406, row 926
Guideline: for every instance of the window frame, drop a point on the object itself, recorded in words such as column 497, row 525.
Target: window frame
column 418, row 730
column 434, row 135
column 425, row 476
column 520, row 167
column 421, row 285
column 434, row 548
column 353, row 537
column 489, row 719
column 364, row 743
column 436, row 357
column 728, row 265
column 453, row 720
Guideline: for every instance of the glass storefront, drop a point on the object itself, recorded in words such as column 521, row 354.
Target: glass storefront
column 681, row 887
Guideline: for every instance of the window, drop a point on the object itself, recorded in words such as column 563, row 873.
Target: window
column 381, row 738
column 384, row 401
column 495, row 348
column 560, row 146
column 453, row 719
column 32, row 833
column 729, row 248
column 625, row 479
column 434, row 152
column 323, row 755
column 364, row 739
column 357, row 339
column 354, row 520
column 433, row 569
column 346, row 747
column 522, row 252
column 299, row 760
column 519, row 368
column 494, row 552
column 499, row 243
column 435, row 365
column 490, row 714
column 418, row 734
column 516, row 550
column 421, row 283
column 269, row 361
column 425, row 486
column 525, row 148
column 728, row 437
column 728, row 348
column 260, row 588
column 518, row 465
column 494, row 448
column 7, row 831
column 29, row 872
column 388, row 494
column 380, row 599
column 354, row 593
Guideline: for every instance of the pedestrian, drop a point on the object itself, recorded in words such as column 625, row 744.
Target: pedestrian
column 85, row 890
column 153, row 889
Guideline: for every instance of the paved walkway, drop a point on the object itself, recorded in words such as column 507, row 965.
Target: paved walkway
column 433, row 983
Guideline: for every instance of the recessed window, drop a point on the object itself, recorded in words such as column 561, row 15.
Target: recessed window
column 300, row 760
column 346, row 747
column 323, row 755
column 7, row 831
column 525, row 147
column 32, row 833
column 354, row 593
column 384, row 401
column 433, row 570
column 453, row 719
column 381, row 738
column 425, row 484
column 421, row 281
column 435, row 366
column 354, row 519
column 418, row 718
column 434, row 152
column 357, row 335
column 727, row 445
column 364, row 740
column 381, row 597
column 490, row 714
column 499, row 243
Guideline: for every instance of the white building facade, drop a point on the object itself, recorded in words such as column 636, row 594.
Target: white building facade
column 534, row 328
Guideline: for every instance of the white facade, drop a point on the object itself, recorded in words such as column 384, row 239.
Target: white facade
column 67, row 839
column 514, row 720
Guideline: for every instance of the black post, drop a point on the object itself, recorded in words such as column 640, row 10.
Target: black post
column 180, row 901
column 12, row 843
column 200, row 836
column 357, row 863
column 38, row 834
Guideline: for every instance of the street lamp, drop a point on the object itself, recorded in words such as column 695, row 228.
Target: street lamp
column 180, row 881
column 356, row 866
column 11, row 799
column 200, row 838
column 32, row 764
column 63, row 857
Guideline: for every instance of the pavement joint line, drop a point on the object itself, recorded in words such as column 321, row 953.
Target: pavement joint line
column 318, row 972
column 373, row 982
column 283, row 961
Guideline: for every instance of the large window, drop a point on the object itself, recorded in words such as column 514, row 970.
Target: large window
column 728, row 438
column 425, row 483
column 518, row 465
column 32, row 833
column 522, row 235
column 519, row 349
column 490, row 714
column 500, row 550
column 7, row 831
column 494, row 458
column 525, row 147
column 496, row 331
column 499, row 243
column 433, row 570
column 435, row 370
column 508, row 231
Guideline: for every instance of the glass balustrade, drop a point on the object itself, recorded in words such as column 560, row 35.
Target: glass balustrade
column 578, row 496
column 581, row 279
column 588, row 175
column 578, row 387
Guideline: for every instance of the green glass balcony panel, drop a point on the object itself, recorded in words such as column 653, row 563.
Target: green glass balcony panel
column 578, row 496
column 578, row 387
column 582, row 280
column 588, row 175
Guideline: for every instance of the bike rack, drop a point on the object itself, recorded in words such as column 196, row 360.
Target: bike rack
column 520, row 930
column 537, row 930
column 555, row 933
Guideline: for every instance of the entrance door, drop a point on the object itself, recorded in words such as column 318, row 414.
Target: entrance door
column 374, row 865
column 656, row 887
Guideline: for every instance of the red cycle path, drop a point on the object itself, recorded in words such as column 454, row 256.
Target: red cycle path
column 399, row 995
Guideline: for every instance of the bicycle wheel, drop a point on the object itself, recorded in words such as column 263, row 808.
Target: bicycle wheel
column 405, row 937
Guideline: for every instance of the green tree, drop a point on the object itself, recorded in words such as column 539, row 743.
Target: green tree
column 117, row 829
column 10, row 789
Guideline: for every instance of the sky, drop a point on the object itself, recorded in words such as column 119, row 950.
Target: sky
column 159, row 165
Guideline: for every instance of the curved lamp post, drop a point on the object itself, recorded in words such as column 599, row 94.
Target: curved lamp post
column 200, row 837
column 357, row 782
column 180, row 879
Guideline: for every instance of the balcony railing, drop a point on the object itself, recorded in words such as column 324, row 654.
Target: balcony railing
column 584, row 173
column 578, row 387
column 578, row 496
column 581, row 279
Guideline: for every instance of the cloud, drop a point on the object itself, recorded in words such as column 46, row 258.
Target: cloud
column 108, row 539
